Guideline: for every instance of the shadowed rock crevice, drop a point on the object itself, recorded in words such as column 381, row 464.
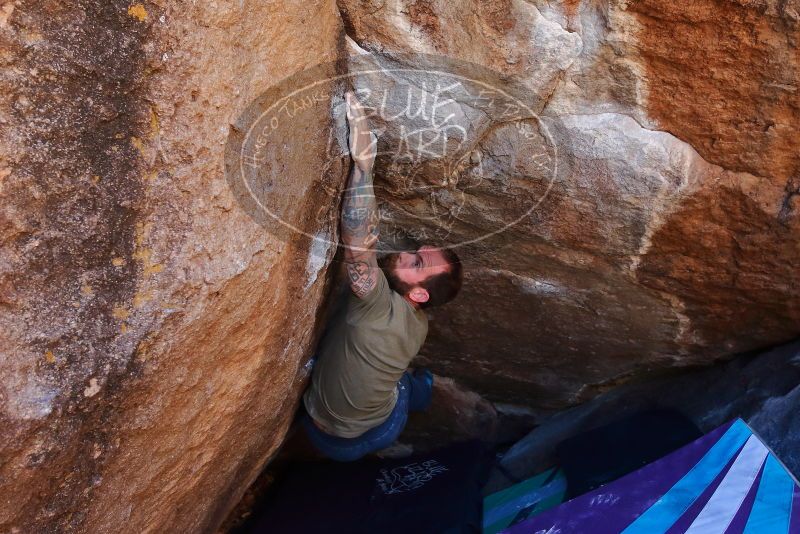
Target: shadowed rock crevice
column 789, row 204
column 748, row 387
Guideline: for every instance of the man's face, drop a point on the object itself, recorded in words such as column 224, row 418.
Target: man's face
column 414, row 267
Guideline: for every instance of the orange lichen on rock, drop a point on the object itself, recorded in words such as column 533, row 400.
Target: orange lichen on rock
column 120, row 312
column 138, row 12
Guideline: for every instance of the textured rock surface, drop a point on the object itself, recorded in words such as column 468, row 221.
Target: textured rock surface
column 762, row 389
column 671, row 232
column 153, row 335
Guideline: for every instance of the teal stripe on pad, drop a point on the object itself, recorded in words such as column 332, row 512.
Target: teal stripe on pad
column 673, row 504
column 498, row 518
column 773, row 505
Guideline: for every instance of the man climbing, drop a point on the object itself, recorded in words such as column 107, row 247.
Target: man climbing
column 361, row 390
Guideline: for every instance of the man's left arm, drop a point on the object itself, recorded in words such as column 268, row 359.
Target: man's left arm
column 360, row 218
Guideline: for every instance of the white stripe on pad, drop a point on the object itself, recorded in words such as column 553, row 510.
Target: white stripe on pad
column 721, row 508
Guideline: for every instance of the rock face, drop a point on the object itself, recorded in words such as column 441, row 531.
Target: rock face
column 631, row 170
column 153, row 334
column 669, row 232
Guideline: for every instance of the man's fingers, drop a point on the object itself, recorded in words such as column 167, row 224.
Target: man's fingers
column 349, row 98
column 351, row 103
column 362, row 142
column 355, row 115
column 355, row 110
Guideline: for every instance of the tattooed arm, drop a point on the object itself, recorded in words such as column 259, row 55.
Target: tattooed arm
column 359, row 222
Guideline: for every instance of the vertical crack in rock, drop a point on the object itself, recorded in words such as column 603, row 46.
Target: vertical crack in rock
column 788, row 206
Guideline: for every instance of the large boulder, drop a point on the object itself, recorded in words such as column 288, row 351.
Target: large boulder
column 153, row 333
column 661, row 228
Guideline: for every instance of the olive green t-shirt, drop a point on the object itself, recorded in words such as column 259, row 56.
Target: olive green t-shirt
column 362, row 356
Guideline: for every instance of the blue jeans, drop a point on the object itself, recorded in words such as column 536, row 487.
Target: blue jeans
column 414, row 394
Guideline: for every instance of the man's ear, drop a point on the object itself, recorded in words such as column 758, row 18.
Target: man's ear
column 419, row 295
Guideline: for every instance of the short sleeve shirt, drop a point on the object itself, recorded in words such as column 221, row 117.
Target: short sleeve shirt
column 361, row 358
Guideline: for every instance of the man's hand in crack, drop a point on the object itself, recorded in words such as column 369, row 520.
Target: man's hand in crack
column 363, row 143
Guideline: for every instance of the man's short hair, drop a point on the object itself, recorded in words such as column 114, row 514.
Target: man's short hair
column 441, row 288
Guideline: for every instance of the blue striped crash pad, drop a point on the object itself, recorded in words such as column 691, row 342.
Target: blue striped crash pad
column 523, row 500
column 726, row 482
